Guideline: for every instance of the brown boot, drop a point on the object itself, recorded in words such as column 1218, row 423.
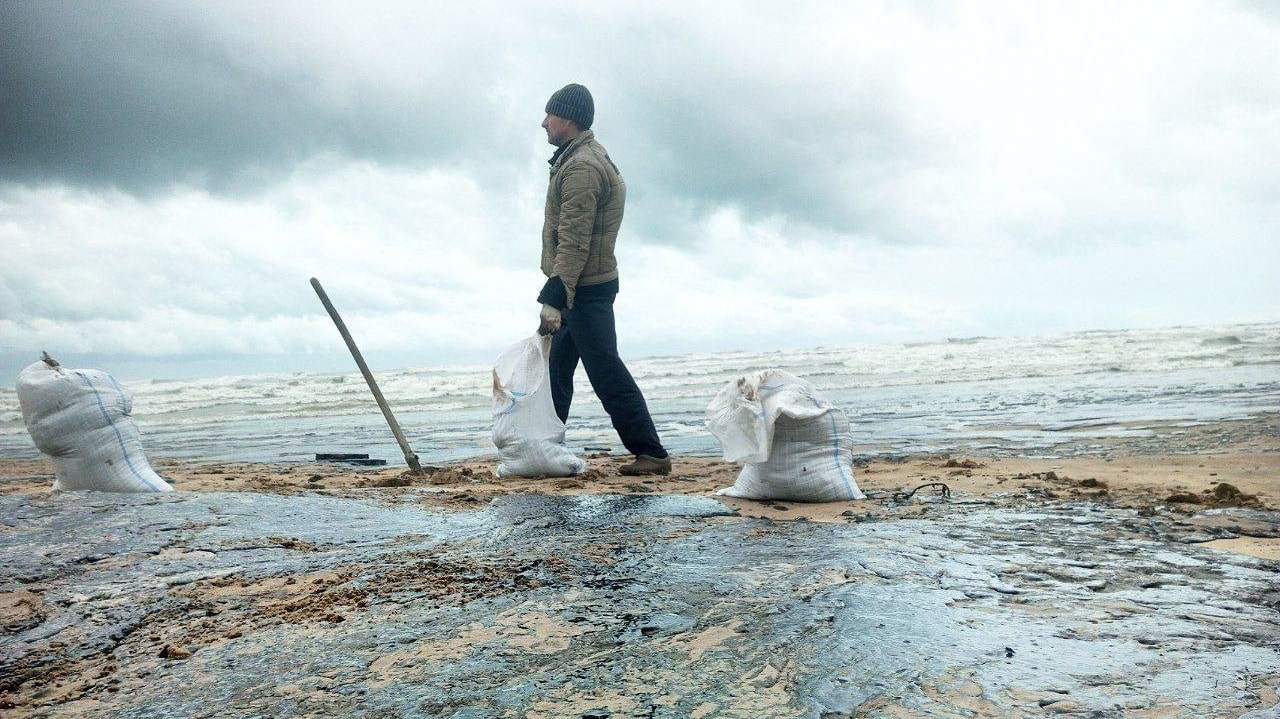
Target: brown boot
column 645, row 464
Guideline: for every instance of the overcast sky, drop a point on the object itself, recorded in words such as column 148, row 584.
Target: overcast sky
column 799, row 174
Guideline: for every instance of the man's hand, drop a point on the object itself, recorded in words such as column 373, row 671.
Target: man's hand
column 549, row 320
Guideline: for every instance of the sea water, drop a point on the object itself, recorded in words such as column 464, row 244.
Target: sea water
column 1019, row 394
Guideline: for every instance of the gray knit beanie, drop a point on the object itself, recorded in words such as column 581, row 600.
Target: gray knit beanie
column 573, row 102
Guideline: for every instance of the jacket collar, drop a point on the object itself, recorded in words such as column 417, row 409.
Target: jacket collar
column 563, row 152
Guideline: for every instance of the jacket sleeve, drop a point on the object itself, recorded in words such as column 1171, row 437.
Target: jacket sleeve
column 579, row 193
column 554, row 293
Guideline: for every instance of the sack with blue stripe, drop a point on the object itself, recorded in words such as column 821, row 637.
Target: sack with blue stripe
column 81, row 419
column 526, row 430
column 794, row 443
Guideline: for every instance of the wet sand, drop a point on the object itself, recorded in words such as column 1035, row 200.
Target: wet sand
column 1111, row 557
column 1182, row 484
column 1129, row 480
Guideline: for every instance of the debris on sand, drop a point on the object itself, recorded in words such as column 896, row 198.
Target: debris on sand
column 457, row 475
column 293, row 543
column 1041, row 476
column 1222, row 495
column 1229, row 495
column 173, row 651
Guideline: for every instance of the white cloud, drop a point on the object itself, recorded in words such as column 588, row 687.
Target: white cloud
column 404, row 255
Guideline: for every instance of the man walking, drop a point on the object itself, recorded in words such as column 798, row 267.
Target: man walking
column 584, row 211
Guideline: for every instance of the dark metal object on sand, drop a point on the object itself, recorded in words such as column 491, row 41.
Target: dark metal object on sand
column 358, row 460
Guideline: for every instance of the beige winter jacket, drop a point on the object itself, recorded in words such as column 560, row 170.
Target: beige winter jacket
column 584, row 211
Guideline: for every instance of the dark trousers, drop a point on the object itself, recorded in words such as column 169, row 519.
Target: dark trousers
column 588, row 333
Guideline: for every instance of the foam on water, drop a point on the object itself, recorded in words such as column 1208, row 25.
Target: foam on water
column 952, row 393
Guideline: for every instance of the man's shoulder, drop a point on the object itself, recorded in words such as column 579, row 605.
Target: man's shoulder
column 590, row 158
column 592, row 154
column 588, row 151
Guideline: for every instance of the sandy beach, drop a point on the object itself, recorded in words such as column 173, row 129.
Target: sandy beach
column 1137, row 475
column 1220, row 493
column 1181, row 484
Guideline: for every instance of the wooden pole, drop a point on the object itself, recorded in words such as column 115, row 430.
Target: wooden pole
column 409, row 456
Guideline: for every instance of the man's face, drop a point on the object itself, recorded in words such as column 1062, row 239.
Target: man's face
column 559, row 130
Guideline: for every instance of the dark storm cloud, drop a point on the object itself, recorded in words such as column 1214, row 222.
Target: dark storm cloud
column 905, row 123
column 230, row 96
column 145, row 95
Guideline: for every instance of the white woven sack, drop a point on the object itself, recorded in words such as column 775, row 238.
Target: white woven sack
column 795, row 444
column 526, row 430
column 81, row 419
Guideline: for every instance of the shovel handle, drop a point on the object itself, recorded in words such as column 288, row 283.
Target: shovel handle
column 409, row 456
